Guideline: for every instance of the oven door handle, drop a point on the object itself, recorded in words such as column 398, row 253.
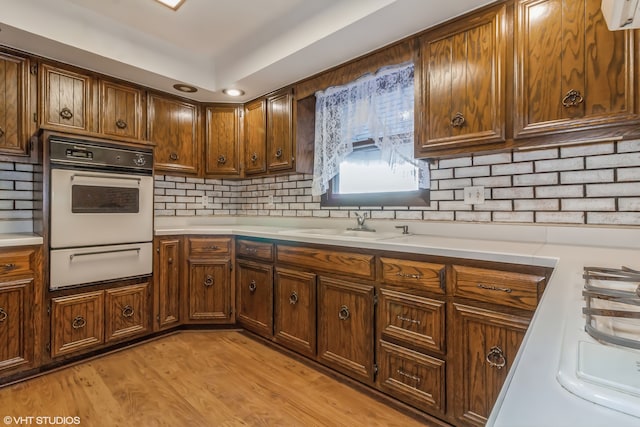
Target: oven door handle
column 81, row 175
column 112, row 251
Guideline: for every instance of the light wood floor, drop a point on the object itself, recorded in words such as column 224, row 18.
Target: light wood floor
column 210, row 378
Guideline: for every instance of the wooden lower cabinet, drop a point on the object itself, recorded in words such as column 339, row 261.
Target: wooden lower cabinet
column 127, row 313
column 254, row 293
column 210, row 291
column 486, row 344
column 345, row 327
column 77, row 323
column 295, row 310
column 16, row 334
column 166, row 293
column 412, row 377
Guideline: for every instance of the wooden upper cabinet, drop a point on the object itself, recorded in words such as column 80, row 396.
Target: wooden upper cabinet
column 14, row 112
column 255, row 126
column 463, row 67
column 66, row 98
column 564, row 80
column 173, row 127
column 280, row 131
column 222, row 140
column 121, row 110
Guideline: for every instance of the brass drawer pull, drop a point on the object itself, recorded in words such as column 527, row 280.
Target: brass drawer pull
column 572, row 99
column 279, row 153
column 407, row 319
column 344, row 313
column 494, row 288
column 458, row 120
column 121, row 124
column 222, row 159
column 408, row 275
column 9, row 267
column 254, row 157
column 170, row 261
column 415, row 378
column 251, row 250
column 208, row 281
column 127, row 311
column 1, row 132
column 496, row 358
column 78, row 322
column 66, row 113
column 3, row 315
column 252, row 286
column 211, row 248
column 174, row 156
column 293, row 298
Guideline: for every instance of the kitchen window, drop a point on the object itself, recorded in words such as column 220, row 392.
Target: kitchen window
column 363, row 151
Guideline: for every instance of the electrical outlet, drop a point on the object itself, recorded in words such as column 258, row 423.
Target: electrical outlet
column 270, row 202
column 204, row 201
column 474, row 195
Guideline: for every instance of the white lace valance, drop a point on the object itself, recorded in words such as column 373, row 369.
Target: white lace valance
column 376, row 106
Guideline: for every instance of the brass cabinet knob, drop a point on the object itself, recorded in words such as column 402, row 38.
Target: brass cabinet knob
column 127, row 311
column 121, row 124
column 458, row 120
column 344, row 313
column 66, row 113
column 3, row 315
column 252, row 286
column 1, row 132
column 174, row 156
column 278, row 153
column 572, row 99
column 222, row 159
column 78, row 322
column 496, row 358
column 293, row 298
column 208, row 281
column 254, row 157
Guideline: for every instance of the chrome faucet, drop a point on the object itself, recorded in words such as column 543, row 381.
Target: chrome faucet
column 361, row 219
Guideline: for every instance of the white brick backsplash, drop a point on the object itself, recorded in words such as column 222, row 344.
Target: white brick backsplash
column 587, row 150
column 549, row 178
column 493, row 181
column 441, row 174
column 573, row 163
column 472, row 171
column 560, row 217
column 454, row 206
column 494, row 205
column 521, row 156
column 613, row 190
column 614, row 218
column 605, row 205
column 559, row 191
column 441, row 195
column 438, row 216
column 164, row 184
column 512, row 193
column 492, row 159
column 629, row 146
column 614, row 160
column 454, row 163
column 512, row 216
column 196, row 180
column 624, row 174
column 536, row 205
column 512, row 168
column 342, row 214
column 580, row 177
column 23, row 204
column 176, row 206
column 6, row 204
column 408, row 215
column 473, row 216
column 175, row 178
column 382, row 214
column 629, row 204
column 448, row 184
column 16, row 176
column 6, row 185
column 15, row 215
column 23, row 186
column 16, row 195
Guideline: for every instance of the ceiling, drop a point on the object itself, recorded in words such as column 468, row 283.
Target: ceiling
column 254, row 45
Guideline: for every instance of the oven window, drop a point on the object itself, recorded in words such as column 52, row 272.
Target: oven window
column 95, row 199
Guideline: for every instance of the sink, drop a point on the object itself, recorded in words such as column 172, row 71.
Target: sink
column 339, row 233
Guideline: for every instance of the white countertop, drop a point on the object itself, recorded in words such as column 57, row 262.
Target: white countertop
column 19, row 239
column 531, row 395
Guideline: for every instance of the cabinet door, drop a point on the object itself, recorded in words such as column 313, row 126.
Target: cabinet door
column 573, row 73
column 254, row 290
column 295, row 310
column 255, row 137
column 173, row 127
column 210, row 290
column 345, row 327
column 66, row 98
column 120, row 110
column 16, row 335
column 222, row 143
column 167, row 280
column 464, row 73
column 14, row 110
column 77, row 323
column 280, row 131
column 487, row 343
column 126, row 312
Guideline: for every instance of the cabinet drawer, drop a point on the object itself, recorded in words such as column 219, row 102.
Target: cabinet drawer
column 413, row 321
column 334, row 261
column 413, row 274
column 518, row 290
column 253, row 249
column 16, row 263
column 127, row 313
column 77, row 323
column 209, row 245
column 412, row 377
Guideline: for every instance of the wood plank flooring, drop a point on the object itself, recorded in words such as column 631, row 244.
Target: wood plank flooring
column 203, row 378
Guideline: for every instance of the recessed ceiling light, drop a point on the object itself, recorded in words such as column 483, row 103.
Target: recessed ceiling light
column 233, row 92
column 173, row 4
column 184, row 88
